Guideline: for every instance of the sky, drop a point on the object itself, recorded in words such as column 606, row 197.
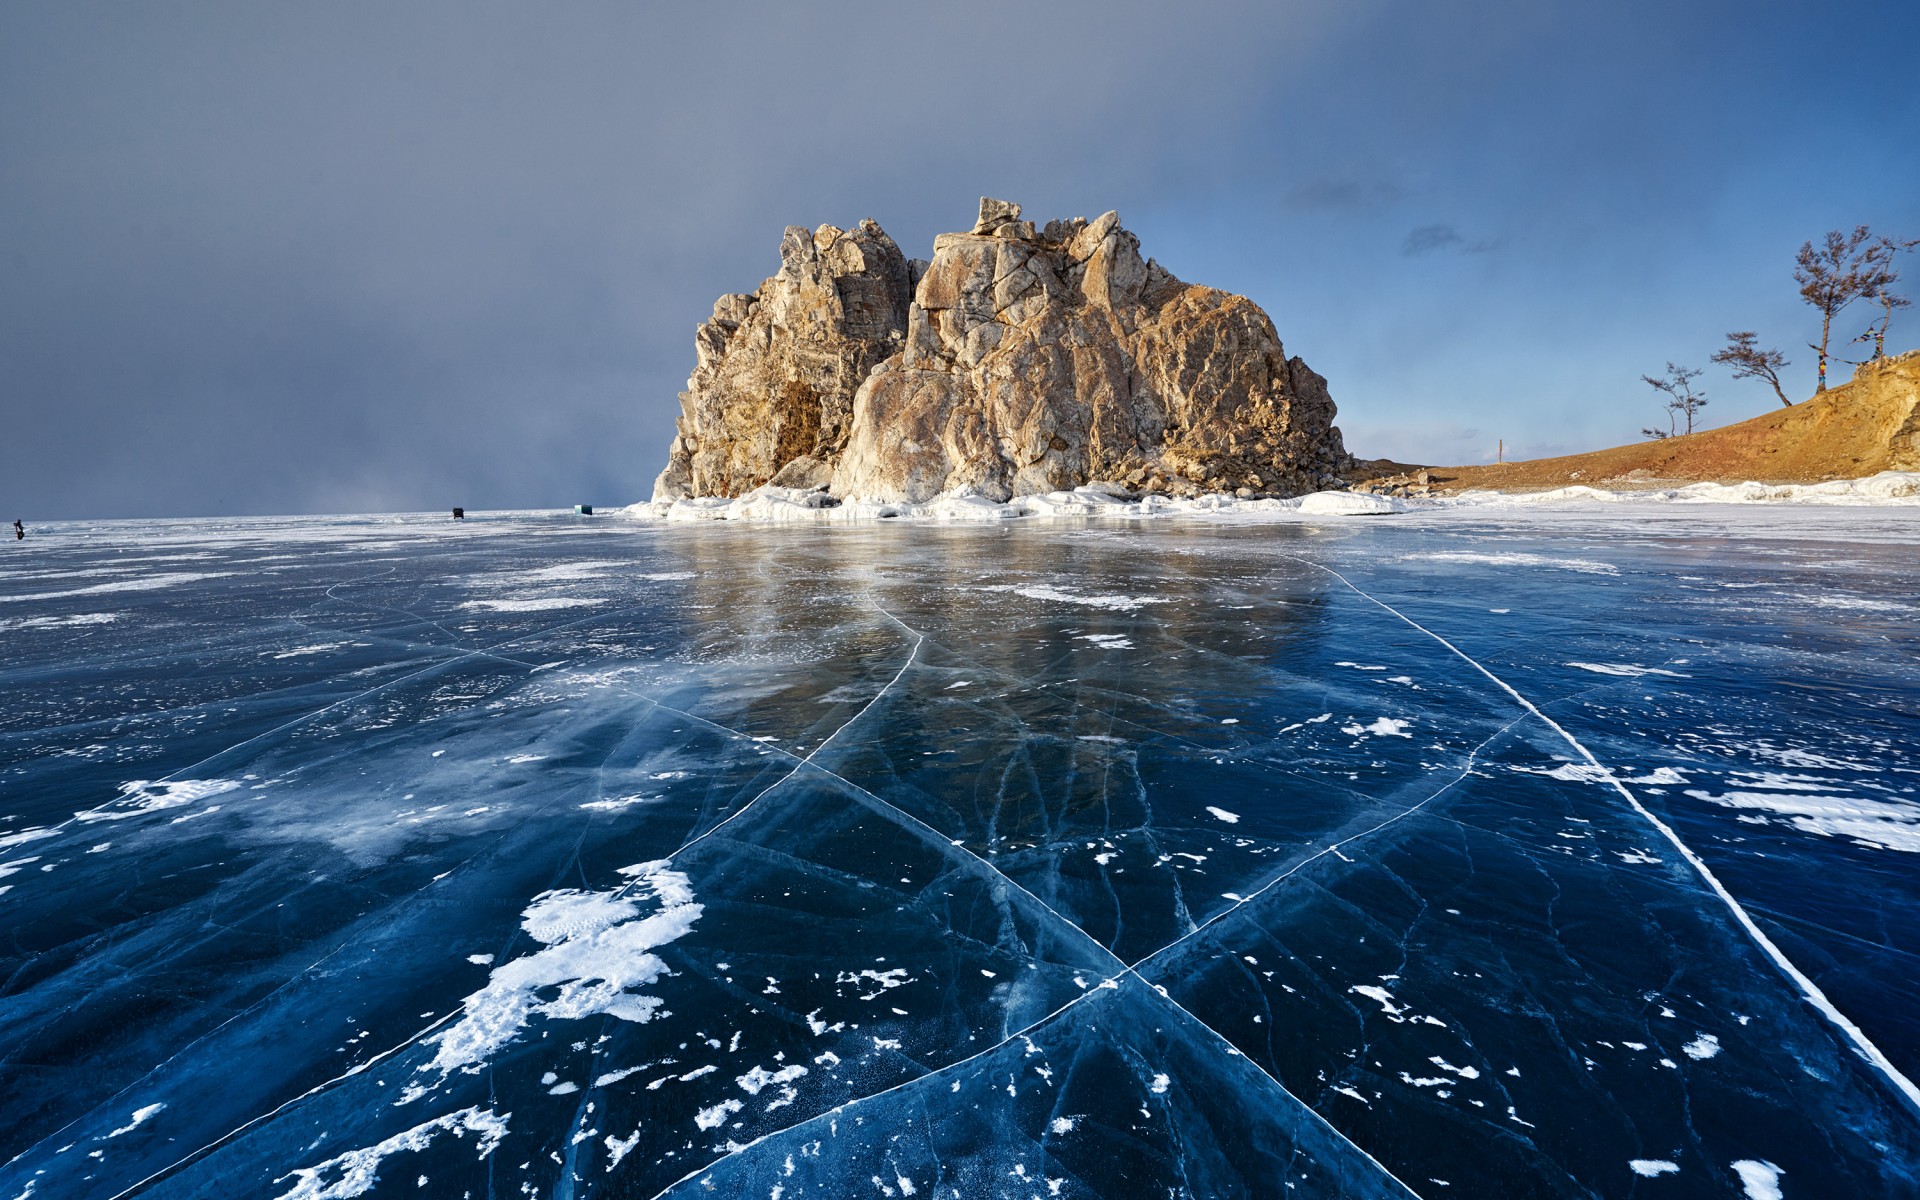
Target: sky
column 352, row 257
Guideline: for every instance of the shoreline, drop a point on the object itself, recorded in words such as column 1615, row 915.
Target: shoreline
column 774, row 505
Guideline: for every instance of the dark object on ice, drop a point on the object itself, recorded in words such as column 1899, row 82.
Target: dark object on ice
column 19, row 531
column 585, row 510
column 459, row 514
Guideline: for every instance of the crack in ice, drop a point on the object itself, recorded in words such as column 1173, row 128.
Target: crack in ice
column 1815, row 996
column 939, row 839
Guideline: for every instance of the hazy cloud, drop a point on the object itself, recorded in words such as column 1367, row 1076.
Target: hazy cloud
column 1343, row 195
column 1428, row 238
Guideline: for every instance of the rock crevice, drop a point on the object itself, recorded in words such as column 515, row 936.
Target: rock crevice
column 1016, row 361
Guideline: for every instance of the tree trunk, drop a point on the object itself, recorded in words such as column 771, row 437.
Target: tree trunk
column 1826, row 331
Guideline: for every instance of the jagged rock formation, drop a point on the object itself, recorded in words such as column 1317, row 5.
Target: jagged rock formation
column 1018, row 361
column 777, row 369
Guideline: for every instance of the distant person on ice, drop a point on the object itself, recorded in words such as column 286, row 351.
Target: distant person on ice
column 19, row 531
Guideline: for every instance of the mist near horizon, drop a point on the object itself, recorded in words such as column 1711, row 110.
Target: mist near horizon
column 374, row 259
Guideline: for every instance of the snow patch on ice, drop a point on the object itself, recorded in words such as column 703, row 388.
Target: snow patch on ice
column 1382, row 727
column 58, row 622
column 1703, row 1046
column 1806, row 760
column 355, row 1172
column 559, row 573
column 1760, row 1179
column 1855, row 603
column 1380, row 996
column 1057, row 595
column 537, row 604
column 1881, row 824
column 618, row 1149
column 615, row 805
column 597, row 949
column 1516, row 558
column 144, row 583
column 1660, row 775
column 1573, row 772
column 1468, row 1072
column 1650, row 1167
column 140, row 1116
column 314, row 648
column 753, row 1081
column 139, row 796
column 1626, row 670
column 1223, row 815
column 715, row 1117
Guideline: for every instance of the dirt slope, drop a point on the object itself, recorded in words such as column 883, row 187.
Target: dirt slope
column 1868, row 425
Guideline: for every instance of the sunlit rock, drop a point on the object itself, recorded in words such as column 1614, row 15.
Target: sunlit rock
column 1014, row 363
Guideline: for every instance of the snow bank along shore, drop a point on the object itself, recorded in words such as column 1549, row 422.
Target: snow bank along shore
column 777, row 504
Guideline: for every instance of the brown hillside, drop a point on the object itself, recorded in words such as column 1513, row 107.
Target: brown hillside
column 1862, row 427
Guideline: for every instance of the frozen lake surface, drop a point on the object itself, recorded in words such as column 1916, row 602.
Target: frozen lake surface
column 1569, row 853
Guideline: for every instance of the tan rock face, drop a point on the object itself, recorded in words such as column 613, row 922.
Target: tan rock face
column 1017, row 361
column 776, row 370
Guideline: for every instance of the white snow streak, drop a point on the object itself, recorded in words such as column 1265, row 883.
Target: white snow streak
column 142, row 796
column 1626, row 670
column 145, row 583
column 139, row 1116
column 541, row 604
column 1041, row 592
column 355, row 1172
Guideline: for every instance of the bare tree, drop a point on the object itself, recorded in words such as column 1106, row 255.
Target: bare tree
column 1749, row 361
column 1884, row 252
column 1877, row 331
column 1682, row 400
column 1843, row 268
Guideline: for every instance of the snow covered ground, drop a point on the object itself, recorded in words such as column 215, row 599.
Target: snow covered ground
column 777, row 504
column 1521, row 847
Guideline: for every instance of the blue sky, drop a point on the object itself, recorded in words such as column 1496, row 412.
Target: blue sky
column 356, row 257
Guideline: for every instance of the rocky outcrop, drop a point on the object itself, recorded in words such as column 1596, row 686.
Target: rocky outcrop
column 777, row 369
column 1018, row 361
